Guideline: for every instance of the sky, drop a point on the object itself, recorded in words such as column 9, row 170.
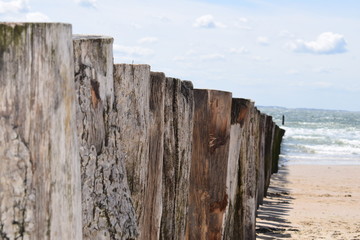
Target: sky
column 289, row 53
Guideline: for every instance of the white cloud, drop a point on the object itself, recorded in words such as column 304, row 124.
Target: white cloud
column 148, row 40
column 207, row 21
column 264, row 41
column 87, row 3
column 243, row 20
column 325, row 70
column 260, row 59
column 163, row 19
column 322, row 84
column 179, row 59
column 188, row 56
column 286, row 34
column 136, row 26
column 36, row 17
column 241, row 23
column 192, row 55
column 13, row 6
column 243, row 27
column 241, row 50
column 133, row 51
column 190, row 52
column 293, row 72
column 326, row 43
column 213, row 57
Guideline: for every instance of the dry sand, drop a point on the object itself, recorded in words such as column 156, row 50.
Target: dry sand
column 312, row 202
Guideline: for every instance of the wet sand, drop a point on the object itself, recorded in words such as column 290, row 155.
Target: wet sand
column 312, row 202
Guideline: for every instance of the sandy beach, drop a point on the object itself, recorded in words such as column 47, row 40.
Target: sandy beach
column 312, row 202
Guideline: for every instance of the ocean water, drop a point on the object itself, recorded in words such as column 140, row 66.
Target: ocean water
column 324, row 137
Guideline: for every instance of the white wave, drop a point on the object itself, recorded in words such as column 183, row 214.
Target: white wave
column 319, row 160
column 335, row 149
column 351, row 142
column 307, row 137
column 319, row 136
column 323, row 132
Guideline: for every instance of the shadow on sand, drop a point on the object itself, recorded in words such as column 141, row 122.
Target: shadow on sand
column 271, row 221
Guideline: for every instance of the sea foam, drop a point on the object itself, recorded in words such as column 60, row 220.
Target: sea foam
column 318, row 136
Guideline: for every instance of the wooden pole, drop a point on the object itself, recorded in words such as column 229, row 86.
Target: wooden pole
column 261, row 164
column 207, row 195
column 233, row 226
column 40, row 193
column 119, row 152
column 269, row 137
column 132, row 91
column 107, row 208
column 178, row 129
column 150, row 221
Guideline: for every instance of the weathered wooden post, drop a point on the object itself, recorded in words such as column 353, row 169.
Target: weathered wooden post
column 40, row 195
column 207, row 194
column 178, row 128
column 243, row 171
column 132, row 91
column 107, row 208
column 248, row 174
column 278, row 135
column 261, row 161
column 251, row 175
column 119, row 152
column 151, row 218
column 232, row 219
column 269, row 136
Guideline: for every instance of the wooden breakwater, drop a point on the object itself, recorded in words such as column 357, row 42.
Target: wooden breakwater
column 90, row 149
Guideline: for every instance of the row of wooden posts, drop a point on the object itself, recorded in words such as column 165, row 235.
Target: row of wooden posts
column 90, row 149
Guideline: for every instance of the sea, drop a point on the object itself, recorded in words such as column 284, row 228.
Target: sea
column 322, row 137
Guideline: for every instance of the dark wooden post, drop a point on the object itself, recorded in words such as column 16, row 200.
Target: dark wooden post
column 247, row 162
column 261, row 162
column 278, row 135
column 211, row 135
column 269, row 136
column 233, row 225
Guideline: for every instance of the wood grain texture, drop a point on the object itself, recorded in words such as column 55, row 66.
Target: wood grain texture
column 107, row 208
column 132, row 91
column 178, row 127
column 240, row 217
column 207, row 194
column 239, row 113
column 39, row 163
column 278, row 135
column 260, row 185
column 250, row 196
column 269, row 139
column 150, row 221
column 119, row 152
